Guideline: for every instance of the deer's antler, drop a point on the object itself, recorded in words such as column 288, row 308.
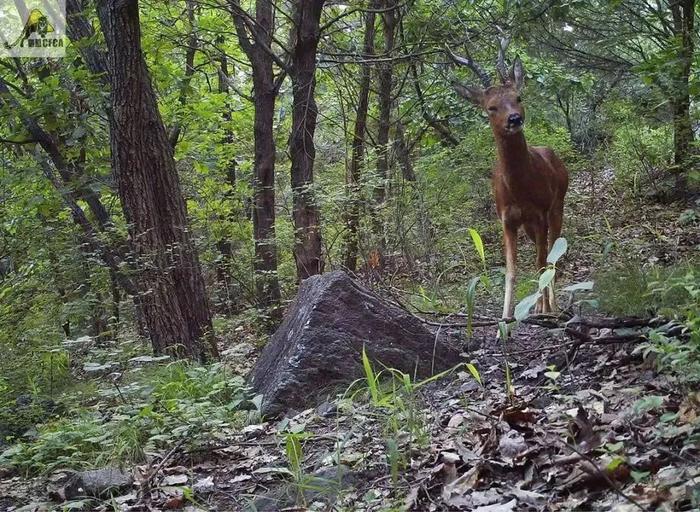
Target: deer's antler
column 469, row 62
column 501, row 67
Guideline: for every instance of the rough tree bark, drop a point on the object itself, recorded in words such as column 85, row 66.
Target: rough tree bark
column 307, row 219
column 683, row 14
column 354, row 174
column 256, row 42
column 175, row 305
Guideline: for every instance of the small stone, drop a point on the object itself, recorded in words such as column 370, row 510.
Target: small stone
column 98, row 483
column 204, row 486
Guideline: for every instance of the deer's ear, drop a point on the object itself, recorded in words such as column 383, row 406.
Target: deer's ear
column 517, row 74
column 473, row 94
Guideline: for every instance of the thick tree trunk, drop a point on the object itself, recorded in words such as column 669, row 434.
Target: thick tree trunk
column 174, row 301
column 354, row 174
column 306, row 215
column 264, row 96
column 266, row 282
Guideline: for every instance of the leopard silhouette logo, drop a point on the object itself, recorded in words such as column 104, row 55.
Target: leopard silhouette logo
column 37, row 24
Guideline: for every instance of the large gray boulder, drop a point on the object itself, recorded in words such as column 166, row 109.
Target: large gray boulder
column 318, row 348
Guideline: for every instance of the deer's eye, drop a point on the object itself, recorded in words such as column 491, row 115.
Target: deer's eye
column 518, row 99
column 492, row 109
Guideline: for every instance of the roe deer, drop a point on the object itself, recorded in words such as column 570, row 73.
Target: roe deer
column 529, row 183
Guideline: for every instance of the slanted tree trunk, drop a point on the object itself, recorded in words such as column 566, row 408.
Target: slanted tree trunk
column 683, row 14
column 256, row 42
column 174, row 300
column 354, row 174
column 307, row 219
column 190, row 52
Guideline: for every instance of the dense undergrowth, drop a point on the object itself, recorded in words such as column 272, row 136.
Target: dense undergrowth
column 94, row 403
column 143, row 406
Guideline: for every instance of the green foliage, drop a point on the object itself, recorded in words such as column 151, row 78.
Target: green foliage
column 632, row 289
column 546, row 279
column 679, row 294
column 641, row 156
column 395, row 397
column 174, row 403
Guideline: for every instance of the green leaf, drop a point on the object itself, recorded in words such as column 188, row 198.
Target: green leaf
column 546, row 278
column 585, row 285
column 614, row 447
column 615, row 463
column 638, row 476
column 648, row 403
column 558, row 250
column 371, row 379
column 524, row 306
column 475, row 373
column 668, row 417
column 478, row 244
column 293, row 449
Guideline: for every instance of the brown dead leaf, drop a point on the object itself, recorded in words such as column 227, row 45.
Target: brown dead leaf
column 518, row 417
column 582, row 429
column 689, row 410
column 174, row 503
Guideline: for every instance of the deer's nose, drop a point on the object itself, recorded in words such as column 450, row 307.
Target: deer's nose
column 515, row 120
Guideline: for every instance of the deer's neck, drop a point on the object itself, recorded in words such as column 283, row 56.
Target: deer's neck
column 513, row 155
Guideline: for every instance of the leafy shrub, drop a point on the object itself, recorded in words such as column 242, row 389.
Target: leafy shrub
column 174, row 403
column 641, row 155
column 675, row 353
column 632, row 289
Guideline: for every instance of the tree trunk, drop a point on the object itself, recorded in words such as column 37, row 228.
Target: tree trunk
column 385, row 83
column 174, row 301
column 403, row 153
column 683, row 13
column 306, row 216
column 354, row 174
column 266, row 283
column 264, row 96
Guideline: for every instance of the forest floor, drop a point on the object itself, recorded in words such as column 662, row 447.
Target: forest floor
column 569, row 426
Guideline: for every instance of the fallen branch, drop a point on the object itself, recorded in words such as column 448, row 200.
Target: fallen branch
column 618, row 323
column 594, row 469
column 584, row 337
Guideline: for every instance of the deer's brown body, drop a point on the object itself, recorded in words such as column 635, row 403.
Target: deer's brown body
column 529, row 183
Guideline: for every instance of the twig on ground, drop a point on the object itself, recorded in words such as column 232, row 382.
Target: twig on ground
column 605, row 476
column 147, row 483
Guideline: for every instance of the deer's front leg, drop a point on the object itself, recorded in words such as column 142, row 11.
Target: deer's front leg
column 510, row 238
